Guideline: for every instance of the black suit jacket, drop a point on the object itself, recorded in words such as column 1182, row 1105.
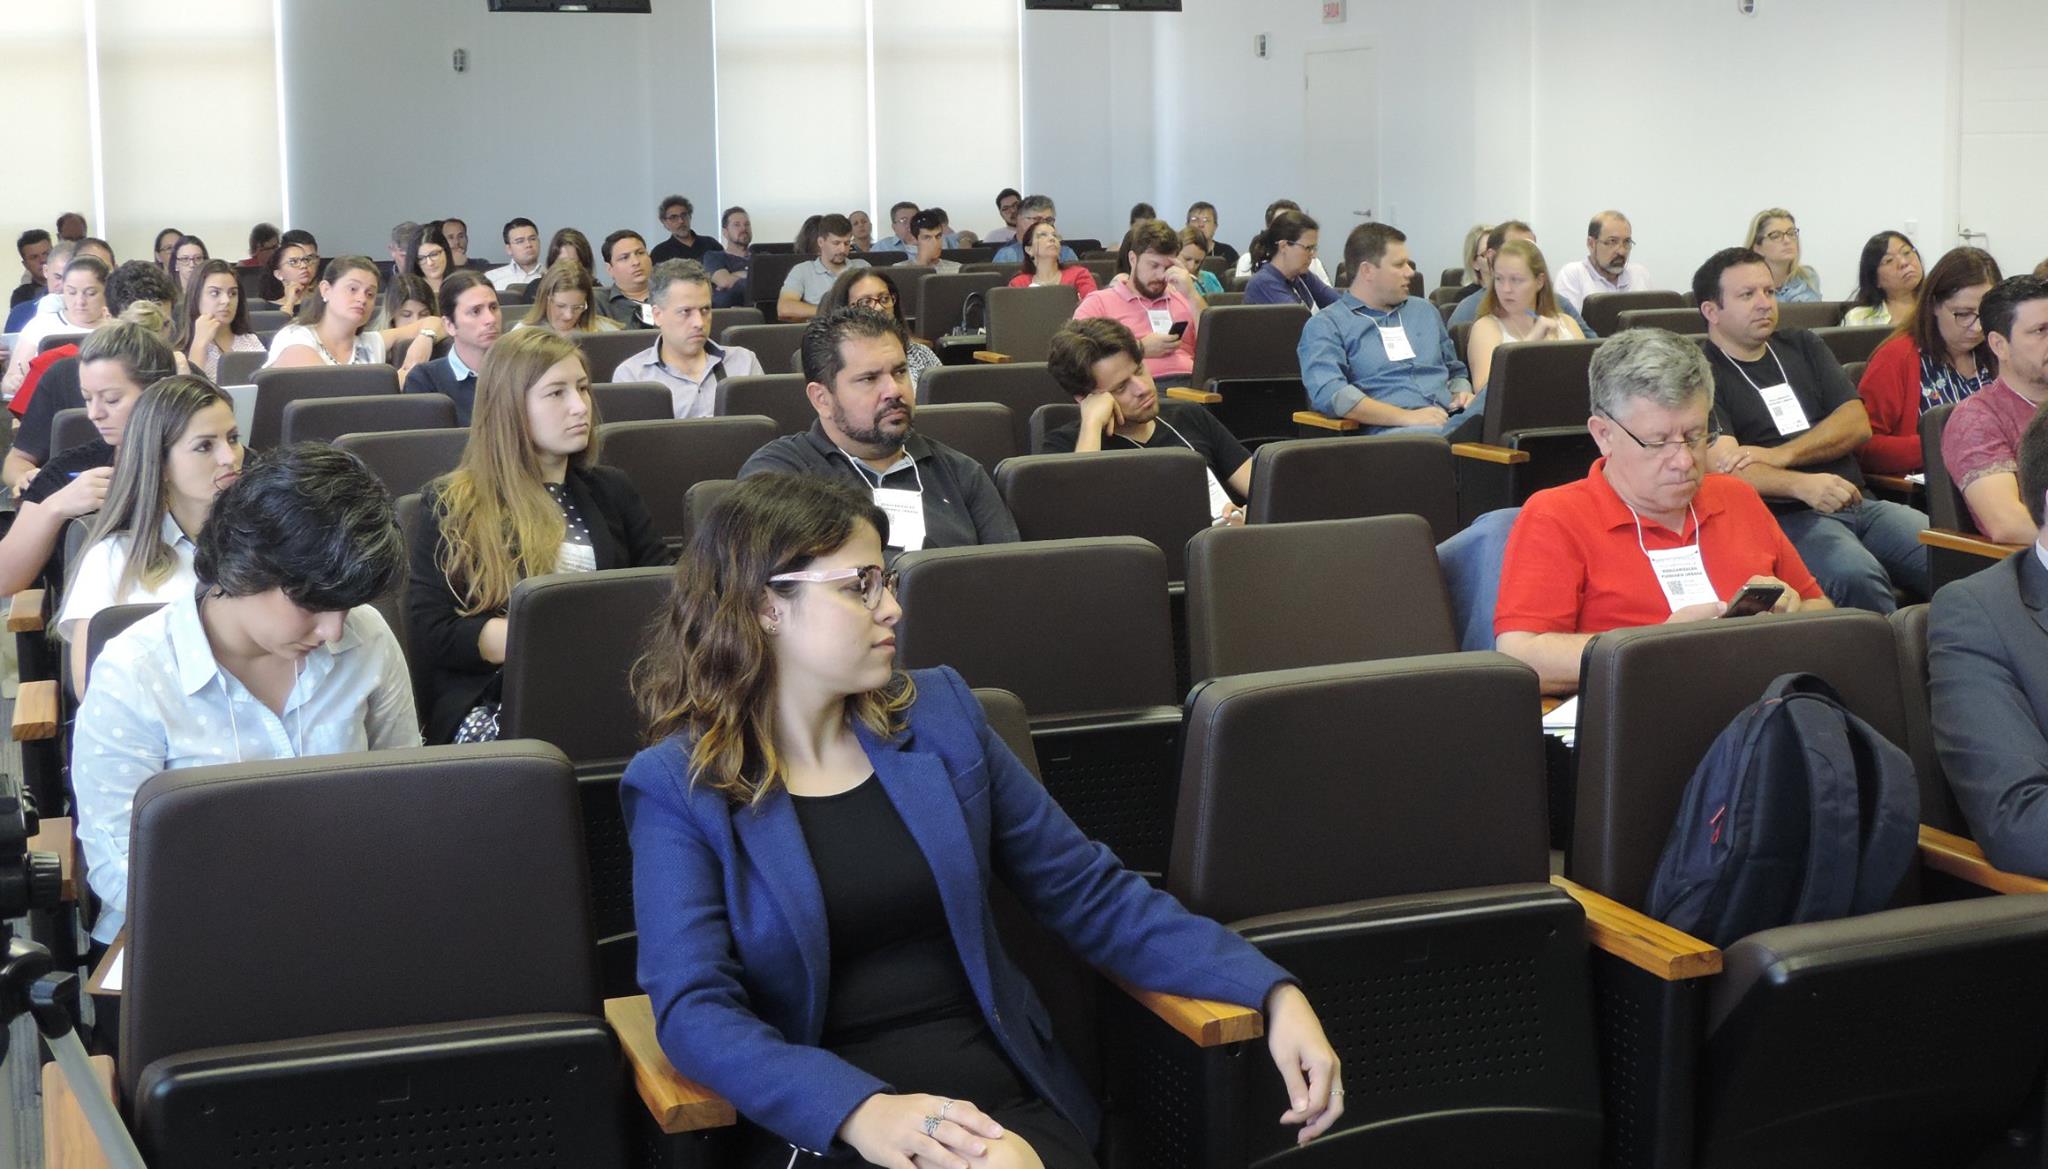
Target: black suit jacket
column 1987, row 666
column 437, row 377
column 453, row 676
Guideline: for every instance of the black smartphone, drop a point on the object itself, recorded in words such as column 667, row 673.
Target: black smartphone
column 1179, row 327
column 1753, row 600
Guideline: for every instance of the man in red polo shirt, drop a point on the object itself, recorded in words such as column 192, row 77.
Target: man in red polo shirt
column 1646, row 536
column 1157, row 302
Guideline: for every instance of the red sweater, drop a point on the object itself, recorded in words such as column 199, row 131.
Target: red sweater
column 1891, row 395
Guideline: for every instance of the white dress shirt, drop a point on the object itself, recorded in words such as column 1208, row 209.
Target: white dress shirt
column 505, row 277
column 1580, row 279
column 369, row 348
column 159, row 701
column 93, row 580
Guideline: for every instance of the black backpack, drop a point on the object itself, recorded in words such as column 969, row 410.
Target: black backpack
column 1800, row 812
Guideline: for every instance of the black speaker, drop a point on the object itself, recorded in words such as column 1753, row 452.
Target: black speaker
column 1104, row 5
column 640, row 6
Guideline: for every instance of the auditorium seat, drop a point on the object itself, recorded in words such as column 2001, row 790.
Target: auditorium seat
column 1048, row 418
column 1534, row 435
column 664, row 458
column 779, row 397
column 775, row 347
column 1905, row 1037
column 267, row 318
column 1021, row 321
column 239, row 369
column 1602, row 310
column 1098, row 680
column 70, row 427
column 767, row 270
column 106, row 625
column 1448, row 294
column 1851, row 343
column 1811, row 314
column 276, row 388
column 1022, row 386
column 983, row 431
column 698, row 501
column 1383, row 474
column 632, row 401
column 1955, row 548
column 604, row 351
column 405, row 461
column 942, row 297
column 725, row 318
column 1159, row 495
column 1937, row 803
column 1247, row 354
column 1410, row 897
column 1223, row 299
column 1687, row 321
column 326, row 419
column 1259, row 597
column 343, row 1008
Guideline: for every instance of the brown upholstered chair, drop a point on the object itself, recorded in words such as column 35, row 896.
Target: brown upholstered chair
column 1811, row 314
column 276, row 388
column 69, row 428
column 725, row 318
column 1021, row 321
column 1259, row 596
column 1245, row 353
column 1022, row 386
column 1048, row 418
column 942, row 298
column 239, row 369
column 664, row 458
column 1383, row 474
column 1161, row 496
column 698, row 501
column 983, row 431
column 606, row 350
column 405, row 461
column 774, row 346
column 1602, row 310
column 1852, row 342
column 632, row 401
column 1686, row 321
column 408, row 943
column 326, row 419
column 778, row 397
column 1535, row 429
column 1937, row 803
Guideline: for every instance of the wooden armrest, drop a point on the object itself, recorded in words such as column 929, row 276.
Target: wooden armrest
column 1323, row 421
column 97, row 982
column 25, row 612
column 677, row 1105
column 68, row 1140
column 1898, row 483
column 53, row 834
column 35, row 712
column 1639, row 940
column 1953, row 541
column 1945, row 852
column 1204, row 1022
column 1188, row 394
column 990, row 357
column 1488, row 453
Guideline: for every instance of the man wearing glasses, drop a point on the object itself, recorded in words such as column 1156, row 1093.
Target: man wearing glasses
column 1610, row 241
column 1791, row 423
column 1647, row 536
column 1981, row 444
column 1033, row 209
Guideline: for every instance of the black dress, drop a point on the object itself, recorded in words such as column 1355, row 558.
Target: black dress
column 899, row 1006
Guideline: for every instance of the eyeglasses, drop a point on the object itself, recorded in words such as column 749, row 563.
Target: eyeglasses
column 299, row 262
column 1782, row 234
column 190, row 261
column 1694, row 443
column 875, row 300
column 873, row 579
column 1963, row 317
column 1618, row 242
column 1297, row 243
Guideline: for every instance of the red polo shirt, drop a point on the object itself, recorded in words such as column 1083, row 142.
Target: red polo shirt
column 1573, row 565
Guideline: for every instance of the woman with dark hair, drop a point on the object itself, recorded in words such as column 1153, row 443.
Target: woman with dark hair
column 869, row 288
column 1887, row 282
column 807, row 236
column 570, row 244
column 426, row 256
column 333, row 326
column 293, row 266
column 1281, row 256
column 529, row 498
column 814, row 835
column 188, row 255
column 1937, row 355
column 410, row 299
column 277, row 654
column 165, row 241
column 565, row 301
column 213, row 320
column 1041, row 245
column 181, row 449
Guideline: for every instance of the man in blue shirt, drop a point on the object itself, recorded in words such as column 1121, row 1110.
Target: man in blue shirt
column 1468, row 308
column 1030, row 211
column 1381, row 357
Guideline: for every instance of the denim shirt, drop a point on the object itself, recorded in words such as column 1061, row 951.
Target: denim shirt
column 1796, row 290
column 1343, row 360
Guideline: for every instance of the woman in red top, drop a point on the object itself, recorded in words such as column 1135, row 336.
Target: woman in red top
column 1938, row 356
column 1042, row 262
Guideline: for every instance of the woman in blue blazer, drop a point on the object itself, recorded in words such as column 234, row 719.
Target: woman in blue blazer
column 814, row 835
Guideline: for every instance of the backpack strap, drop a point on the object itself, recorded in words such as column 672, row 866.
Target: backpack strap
column 1832, row 798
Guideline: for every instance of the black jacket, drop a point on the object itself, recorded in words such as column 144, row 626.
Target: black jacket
column 436, row 377
column 451, row 674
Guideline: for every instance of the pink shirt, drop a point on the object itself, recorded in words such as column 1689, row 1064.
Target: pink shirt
column 1983, row 434
column 1121, row 303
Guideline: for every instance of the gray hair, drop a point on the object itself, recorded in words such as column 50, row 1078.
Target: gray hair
column 403, row 234
column 1034, row 204
column 675, row 272
column 60, row 254
column 1652, row 365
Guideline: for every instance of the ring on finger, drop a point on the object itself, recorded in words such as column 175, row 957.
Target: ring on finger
column 1337, row 1091
column 931, row 1125
column 944, row 1105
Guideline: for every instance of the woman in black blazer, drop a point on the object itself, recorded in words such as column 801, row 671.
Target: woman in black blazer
column 529, row 498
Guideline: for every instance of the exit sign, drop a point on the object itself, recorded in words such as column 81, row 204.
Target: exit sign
column 1333, row 11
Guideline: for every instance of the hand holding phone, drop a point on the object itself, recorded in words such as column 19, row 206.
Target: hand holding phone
column 1753, row 600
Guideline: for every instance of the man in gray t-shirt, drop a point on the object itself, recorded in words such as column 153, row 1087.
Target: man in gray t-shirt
column 809, row 282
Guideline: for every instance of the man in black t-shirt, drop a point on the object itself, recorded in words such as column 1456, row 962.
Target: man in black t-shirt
column 1099, row 361
column 1791, row 422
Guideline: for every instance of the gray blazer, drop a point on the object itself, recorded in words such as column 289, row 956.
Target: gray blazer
column 1987, row 665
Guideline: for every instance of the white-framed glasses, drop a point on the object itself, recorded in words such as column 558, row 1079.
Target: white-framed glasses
column 873, row 580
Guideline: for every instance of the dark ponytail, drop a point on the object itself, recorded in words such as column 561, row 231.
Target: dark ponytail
column 1285, row 228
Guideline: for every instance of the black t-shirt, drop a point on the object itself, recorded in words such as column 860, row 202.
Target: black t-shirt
column 1199, row 428
column 23, row 293
column 700, row 245
column 1224, row 252
column 1817, row 381
column 58, row 390
column 58, row 473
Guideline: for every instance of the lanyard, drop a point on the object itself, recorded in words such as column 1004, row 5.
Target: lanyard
column 1697, row 531
column 864, row 471
column 1782, row 379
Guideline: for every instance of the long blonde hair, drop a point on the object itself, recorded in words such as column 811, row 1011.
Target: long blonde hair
column 138, row 498
column 1530, row 254
column 499, row 525
column 1756, row 239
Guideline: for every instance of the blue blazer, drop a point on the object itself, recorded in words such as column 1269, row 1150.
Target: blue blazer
column 436, row 377
column 733, row 943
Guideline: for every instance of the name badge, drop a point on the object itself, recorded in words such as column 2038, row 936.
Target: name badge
column 1395, row 339
column 1162, row 320
column 905, row 510
column 1683, row 577
column 1786, row 412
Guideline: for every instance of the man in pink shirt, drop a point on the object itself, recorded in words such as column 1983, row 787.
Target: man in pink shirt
column 1157, row 302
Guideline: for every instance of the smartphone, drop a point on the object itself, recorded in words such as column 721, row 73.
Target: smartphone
column 1179, row 327
column 1753, row 600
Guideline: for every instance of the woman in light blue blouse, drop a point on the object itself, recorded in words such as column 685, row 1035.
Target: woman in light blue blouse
column 277, row 655
column 1774, row 233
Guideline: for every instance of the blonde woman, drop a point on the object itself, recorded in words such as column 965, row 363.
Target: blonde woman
column 565, row 302
column 528, row 498
column 1518, row 306
column 1775, row 234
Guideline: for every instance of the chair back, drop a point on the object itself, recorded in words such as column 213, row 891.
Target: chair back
column 239, row 369
column 775, row 347
column 1252, row 341
column 1945, row 505
column 1053, row 415
column 570, row 640
column 1653, row 699
column 766, row 273
column 698, row 501
column 1538, row 385
column 1021, row 321
column 405, row 461
column 725, row 318
column 779, row 397
column 1159, row 495
column 942, row 296
column 326, row 419
column 70, row 427
column 1461, row 340
column 268, row 318
column 664, row 458
column 1022, row 386
column 1385, row 474
column 1811, row 314
column 1684, row 321
column 1602, row 310
column 58, row 340
column 1221, row 300
column 106, row 625
column 1258, row 597
column 983, row 431
column 633, row 401
column 1852, row 343
column 605, row 350
column 277, row 388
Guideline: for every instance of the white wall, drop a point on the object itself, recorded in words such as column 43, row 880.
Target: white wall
column 571, row 119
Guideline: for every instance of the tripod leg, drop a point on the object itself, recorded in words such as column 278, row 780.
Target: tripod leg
column 90, row 1098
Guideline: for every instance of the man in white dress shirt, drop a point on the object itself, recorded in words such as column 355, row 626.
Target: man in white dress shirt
column 1610, row 240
